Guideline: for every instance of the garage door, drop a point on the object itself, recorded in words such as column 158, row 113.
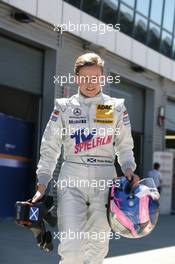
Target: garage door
column 134, row 102
column 21, row 66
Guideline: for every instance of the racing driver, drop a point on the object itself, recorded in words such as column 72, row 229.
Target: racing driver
column 93, row 127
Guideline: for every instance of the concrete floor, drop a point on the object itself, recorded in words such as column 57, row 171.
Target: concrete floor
column 17, row 246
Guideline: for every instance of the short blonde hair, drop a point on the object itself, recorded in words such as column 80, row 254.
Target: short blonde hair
column 88, row 59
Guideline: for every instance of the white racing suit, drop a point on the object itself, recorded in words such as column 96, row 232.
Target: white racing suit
column 92, row 130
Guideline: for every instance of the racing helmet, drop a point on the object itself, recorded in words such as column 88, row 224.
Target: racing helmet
column 133, row 209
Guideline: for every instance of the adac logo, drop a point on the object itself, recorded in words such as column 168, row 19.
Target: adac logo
column 77, row 111
column 104, row 111
column 108, row 107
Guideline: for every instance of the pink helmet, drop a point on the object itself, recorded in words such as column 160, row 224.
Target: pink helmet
column 133, row 210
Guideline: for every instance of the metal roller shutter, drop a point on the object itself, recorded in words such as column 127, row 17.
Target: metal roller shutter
column 21, row 66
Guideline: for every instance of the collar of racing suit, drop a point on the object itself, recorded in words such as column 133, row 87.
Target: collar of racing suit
column 87, row 100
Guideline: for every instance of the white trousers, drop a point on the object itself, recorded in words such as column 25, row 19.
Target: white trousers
column 82, row 220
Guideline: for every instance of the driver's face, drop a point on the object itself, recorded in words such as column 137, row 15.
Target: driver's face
column 89, row 80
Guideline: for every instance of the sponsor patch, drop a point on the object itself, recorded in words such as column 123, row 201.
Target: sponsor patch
column 77, row 111
column 85, row 142
column 91, row 160
column 55, row 115
column 79, row 121
column 100, row 161
column 126, row 120
column 104, row 111
column 100, row 121
column 77, row 117
column 92, row 143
